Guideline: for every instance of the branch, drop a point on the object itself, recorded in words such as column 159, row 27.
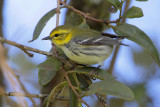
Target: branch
column 58, row 12
column 25, row 91
column 25, row 48
column 87, row 16
column 18, row 94
column 73, row 88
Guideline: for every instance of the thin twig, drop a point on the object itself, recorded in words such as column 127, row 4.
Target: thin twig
column 128, row 2
column 73, row 88
column 25, row 91
column 87, row 16
column 18, row 94
column 58, row 12
column 25, row 48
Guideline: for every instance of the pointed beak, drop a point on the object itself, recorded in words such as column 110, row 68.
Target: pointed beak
column 47, row 38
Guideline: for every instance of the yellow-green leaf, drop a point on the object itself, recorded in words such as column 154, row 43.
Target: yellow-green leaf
column 47, row 70
column 108, row 85
column 133, row 12
column 73, row 19
column 54, row 92
column 86, row 71
column 136, row 35
column 42, row 22
column 83, row 24
column 115, row 3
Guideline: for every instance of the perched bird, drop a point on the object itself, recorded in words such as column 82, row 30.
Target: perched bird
column 84, row 46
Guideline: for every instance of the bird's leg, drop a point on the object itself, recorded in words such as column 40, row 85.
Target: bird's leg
column 94, row 71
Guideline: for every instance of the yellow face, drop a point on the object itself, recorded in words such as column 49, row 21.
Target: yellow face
column 60, row 36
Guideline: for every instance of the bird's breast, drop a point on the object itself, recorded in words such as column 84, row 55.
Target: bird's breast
column 87, row 54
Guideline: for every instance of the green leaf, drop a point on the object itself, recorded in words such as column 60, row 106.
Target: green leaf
column 73, row 19
column 73, row 102
column 47, row 70
column 115, row 3
column 133, row 12
column 50, row 64
column 54, row 92
column 138, row 36
column 109, row 86
column 41, row 24
column 87, row 70
column 83, row 24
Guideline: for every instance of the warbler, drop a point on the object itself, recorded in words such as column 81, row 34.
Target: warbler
column 84, row 46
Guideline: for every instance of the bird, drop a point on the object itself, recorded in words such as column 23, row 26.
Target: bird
column 83, row 46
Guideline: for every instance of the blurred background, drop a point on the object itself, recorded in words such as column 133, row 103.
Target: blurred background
column 134, row 66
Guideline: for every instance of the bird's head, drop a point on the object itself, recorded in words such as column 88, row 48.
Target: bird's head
column 60, row 35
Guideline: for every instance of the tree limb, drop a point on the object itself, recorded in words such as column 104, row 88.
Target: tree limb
column 25, row 48
column 58, row 12
column 87, row 16
column 18, row 94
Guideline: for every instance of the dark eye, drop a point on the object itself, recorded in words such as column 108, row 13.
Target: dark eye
column 56, row 35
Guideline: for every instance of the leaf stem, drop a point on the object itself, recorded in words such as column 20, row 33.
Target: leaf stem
column 18, row 94
column 73, row 88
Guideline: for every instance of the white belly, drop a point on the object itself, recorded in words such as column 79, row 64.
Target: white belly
column 88, row 56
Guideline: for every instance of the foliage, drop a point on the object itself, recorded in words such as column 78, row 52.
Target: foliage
column 138, row 36
column 133, row 12
column 107, row 85
column 47, row 70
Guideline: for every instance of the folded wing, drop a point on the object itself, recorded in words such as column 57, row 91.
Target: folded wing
column 98, row 40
